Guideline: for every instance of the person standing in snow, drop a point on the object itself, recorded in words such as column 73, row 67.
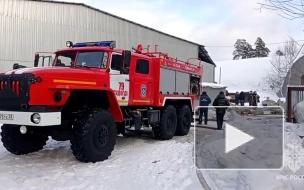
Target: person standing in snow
column 204, row 101
column 242, row 98
column 255, row 99
column 250, row 98
column 222, row 101
column 236, row 99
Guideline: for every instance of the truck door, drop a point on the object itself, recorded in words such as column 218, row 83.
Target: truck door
column 142, row 83
column 119, row 83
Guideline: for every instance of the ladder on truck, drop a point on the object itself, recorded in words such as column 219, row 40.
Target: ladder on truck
column 184, row 71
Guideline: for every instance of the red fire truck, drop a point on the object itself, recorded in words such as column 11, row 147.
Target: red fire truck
column 94, row 91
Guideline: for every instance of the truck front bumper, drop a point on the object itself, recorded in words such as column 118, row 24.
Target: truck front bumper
column 39, row 119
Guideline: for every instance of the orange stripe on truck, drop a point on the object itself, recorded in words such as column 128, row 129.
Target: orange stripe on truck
column 73, row 82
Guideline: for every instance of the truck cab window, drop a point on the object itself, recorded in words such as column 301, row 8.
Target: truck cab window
column 94, row 59
column 142, row 66
column 65, row 59
column 116, row 62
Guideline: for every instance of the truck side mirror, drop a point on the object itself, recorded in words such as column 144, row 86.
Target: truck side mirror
column 36, row 61
column 126, row 58
column 16, row 66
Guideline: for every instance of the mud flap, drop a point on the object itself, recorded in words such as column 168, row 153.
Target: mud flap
column 137, row 121
column 153, row 117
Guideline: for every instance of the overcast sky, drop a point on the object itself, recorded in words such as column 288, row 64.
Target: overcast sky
column 210, row 23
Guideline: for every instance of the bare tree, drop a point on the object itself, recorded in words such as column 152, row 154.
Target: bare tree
column 281, row 65
column 289, row 9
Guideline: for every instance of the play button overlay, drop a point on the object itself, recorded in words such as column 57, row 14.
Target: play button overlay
column 235, row 138
column 251, row 138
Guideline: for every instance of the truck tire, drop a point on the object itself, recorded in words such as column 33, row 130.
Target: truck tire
column 18, row 143
column 93, row 136
column 168, row 123
column 184, row 120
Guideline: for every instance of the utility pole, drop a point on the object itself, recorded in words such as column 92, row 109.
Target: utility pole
column 220, row 75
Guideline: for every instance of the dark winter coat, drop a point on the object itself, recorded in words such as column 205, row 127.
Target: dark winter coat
column 250, row 99
column 237, row 98
column 221, row 100
column 242, row 96
column 204, row 100
column 255, row 99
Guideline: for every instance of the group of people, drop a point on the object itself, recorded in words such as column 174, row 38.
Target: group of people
column 221, row 104
column 253, row 98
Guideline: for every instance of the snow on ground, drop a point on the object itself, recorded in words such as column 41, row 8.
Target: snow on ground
column 135, row 164
column 246, row 75
column 244, row 179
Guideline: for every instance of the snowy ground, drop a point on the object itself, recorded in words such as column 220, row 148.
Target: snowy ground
column 136, row 163
column 261, row 180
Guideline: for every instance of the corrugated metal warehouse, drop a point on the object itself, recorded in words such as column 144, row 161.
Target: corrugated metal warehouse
column 28, row 26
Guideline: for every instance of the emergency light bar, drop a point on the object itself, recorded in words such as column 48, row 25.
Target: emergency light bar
column 111, row 44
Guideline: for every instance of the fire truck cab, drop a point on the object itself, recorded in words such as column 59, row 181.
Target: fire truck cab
column 94, row 91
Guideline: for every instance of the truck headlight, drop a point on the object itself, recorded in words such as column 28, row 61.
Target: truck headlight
column 36, row 118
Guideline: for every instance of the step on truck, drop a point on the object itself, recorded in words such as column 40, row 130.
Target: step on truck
column 93, row 92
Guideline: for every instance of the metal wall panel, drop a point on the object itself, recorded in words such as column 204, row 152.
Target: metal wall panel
column 296, row 97
column 182, row 82
column 167, row 81
column 30, row 26
column 208, row 72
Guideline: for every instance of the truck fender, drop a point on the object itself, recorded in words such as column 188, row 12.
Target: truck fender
column 114, row 108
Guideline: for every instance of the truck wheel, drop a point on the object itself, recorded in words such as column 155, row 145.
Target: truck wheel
column 93, row 136
column 18, row 143
column 168, row 124
column 183, row 121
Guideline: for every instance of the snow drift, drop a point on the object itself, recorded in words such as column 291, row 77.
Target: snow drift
column 298, row 112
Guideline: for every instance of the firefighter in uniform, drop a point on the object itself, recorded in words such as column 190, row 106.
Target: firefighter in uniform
column 204, row 101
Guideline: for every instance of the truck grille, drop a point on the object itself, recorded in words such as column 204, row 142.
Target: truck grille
column 14, row 91
column 15, row 86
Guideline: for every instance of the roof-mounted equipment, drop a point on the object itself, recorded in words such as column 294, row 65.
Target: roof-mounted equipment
column 110, row 44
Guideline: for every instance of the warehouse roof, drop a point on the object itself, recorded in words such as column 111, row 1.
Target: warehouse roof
column 203, row 54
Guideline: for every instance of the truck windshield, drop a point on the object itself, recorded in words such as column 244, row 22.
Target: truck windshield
column 94, row 59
